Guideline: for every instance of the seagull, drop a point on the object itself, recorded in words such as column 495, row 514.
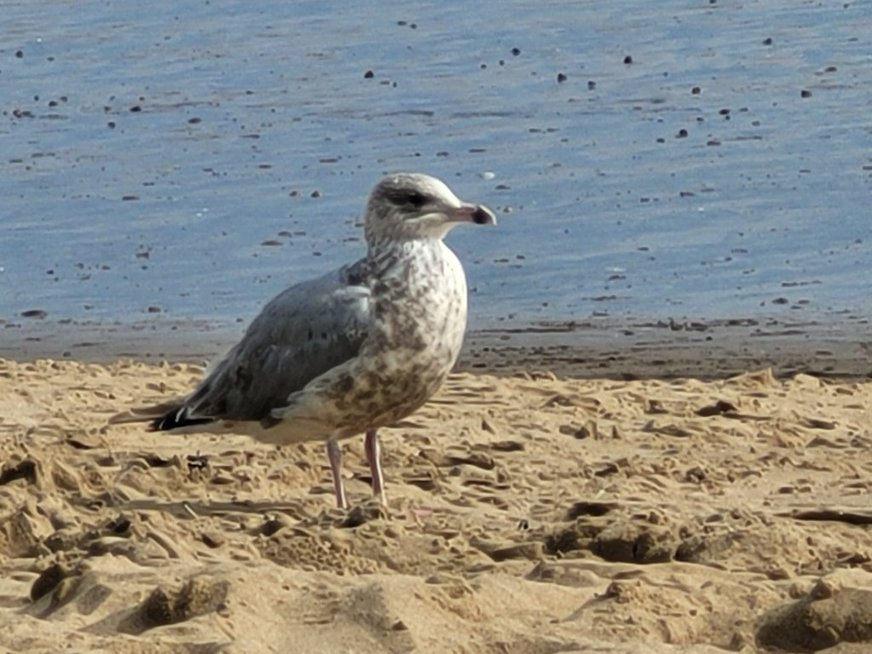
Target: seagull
column 357, row 349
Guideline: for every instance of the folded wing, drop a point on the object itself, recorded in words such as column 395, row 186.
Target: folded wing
column 302, row 333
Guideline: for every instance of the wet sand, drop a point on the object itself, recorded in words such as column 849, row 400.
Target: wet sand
column 835, row 347
column 528, row 513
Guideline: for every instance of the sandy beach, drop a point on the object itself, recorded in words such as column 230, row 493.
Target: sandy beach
column 659, row 436
column 528, row 513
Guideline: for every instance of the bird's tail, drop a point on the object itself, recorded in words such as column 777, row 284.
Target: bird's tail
column 168, row 416
column 178, row 417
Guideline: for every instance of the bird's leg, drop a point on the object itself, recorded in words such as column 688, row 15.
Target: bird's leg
column 334, row 455
column 373, row 457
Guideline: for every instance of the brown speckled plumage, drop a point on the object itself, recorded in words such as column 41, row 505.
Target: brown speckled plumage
column 357, row 349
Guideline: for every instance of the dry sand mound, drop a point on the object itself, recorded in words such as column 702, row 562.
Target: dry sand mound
column 527, row 514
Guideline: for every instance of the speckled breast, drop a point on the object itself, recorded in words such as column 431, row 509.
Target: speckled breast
column 419, row 320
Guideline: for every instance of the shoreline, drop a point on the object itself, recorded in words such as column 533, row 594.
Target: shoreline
column 594, row 348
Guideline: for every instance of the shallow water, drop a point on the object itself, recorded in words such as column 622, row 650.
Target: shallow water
column 186, row 163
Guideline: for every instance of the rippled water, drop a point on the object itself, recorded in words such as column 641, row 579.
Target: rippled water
column 686, row 160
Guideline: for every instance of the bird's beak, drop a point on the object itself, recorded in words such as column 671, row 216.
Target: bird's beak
column 472, row 213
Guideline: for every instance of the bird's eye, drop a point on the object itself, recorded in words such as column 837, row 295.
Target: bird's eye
column 416, row 199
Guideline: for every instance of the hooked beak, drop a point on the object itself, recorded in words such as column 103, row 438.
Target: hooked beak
column 472, row 213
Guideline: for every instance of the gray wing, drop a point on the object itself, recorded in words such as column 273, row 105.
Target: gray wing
column 302, row 333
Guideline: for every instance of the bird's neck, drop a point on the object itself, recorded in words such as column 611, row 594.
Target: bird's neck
column 384, row 255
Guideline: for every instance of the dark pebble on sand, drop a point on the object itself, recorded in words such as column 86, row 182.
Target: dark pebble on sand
column 368, row 75
column 135, row 109
column 628, row 59
column 561, row 78
column 19, row 53
column 129, row 198
column 516, row 51
column 47, row 581
column 315, row 194
column 111, row 124
column 212, row 539
column 34, row 313
column 153, row 309
column 695, row 90
column 767, row 40
column 194, row 121
column 591, row 85
column 682, row 133
column 805, row 93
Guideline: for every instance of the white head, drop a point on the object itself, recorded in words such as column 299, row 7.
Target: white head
column 415, row 206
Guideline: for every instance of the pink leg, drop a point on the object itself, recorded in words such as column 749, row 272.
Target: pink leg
column 373, row 457
column 334, row 455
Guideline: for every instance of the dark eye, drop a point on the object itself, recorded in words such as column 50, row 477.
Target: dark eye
column 416, row 199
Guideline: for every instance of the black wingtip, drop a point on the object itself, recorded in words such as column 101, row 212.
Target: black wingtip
column 178, row 417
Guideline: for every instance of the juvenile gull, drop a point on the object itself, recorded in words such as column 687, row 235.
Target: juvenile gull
column 358, row 349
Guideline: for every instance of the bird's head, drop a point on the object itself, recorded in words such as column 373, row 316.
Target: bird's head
column 413, row 206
